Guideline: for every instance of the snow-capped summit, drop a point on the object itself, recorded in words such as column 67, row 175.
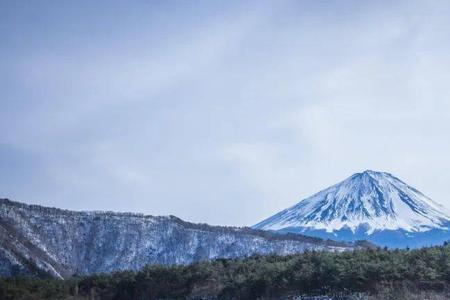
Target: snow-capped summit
column 367, row 202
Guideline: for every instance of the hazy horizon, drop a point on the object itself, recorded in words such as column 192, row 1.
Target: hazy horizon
column 219, row 112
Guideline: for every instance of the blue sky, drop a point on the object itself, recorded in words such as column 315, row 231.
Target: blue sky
column 219, row 111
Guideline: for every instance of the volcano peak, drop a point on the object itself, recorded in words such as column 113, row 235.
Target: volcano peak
column 369, row 201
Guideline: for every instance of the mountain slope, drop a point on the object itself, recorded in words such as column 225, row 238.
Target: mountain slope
column 369, row 205
column 39, row 240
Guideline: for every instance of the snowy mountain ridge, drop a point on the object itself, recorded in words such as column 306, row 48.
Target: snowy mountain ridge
column 37, row 240
column 370, row 201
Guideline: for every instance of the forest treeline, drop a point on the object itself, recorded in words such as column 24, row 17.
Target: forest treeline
column 369, row 271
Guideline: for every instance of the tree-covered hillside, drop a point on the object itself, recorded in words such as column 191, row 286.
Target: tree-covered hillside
column 382, row 273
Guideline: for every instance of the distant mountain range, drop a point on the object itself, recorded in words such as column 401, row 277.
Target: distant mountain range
column 375, row 206
column 42, row 241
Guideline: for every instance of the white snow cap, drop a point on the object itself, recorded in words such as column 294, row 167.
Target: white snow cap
column 375, row 200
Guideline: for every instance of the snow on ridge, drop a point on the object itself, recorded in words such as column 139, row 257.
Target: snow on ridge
column 64, row 243
column 370, row 200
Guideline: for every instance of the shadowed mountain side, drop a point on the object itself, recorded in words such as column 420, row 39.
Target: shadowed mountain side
column 61, row 243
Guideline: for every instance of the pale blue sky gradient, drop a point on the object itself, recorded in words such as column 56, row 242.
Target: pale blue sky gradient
column 219, row 111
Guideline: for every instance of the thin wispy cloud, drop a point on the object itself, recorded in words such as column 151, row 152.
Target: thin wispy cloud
column 219, row 112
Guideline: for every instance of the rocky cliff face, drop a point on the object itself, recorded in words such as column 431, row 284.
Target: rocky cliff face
column 39, row 240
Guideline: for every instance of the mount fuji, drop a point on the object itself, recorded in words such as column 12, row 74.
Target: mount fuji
column 375, row 206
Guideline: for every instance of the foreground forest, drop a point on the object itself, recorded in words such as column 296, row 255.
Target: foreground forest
column 360, row 274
